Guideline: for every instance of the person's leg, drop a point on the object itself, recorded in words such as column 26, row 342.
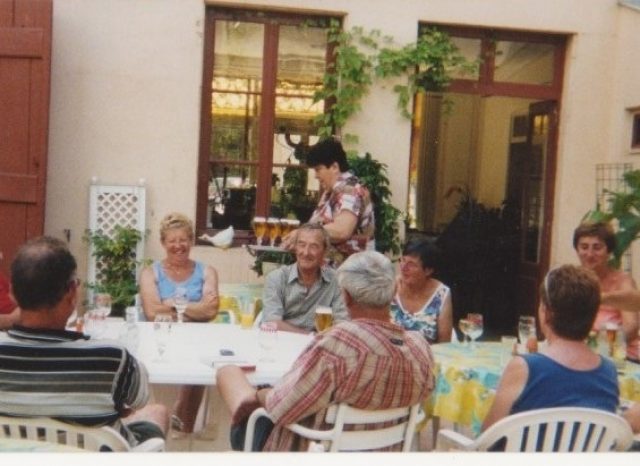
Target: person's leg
column 187, row 405
column 156, row 414
column 234, row 387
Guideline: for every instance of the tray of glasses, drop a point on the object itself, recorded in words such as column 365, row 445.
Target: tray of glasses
column 256, row 248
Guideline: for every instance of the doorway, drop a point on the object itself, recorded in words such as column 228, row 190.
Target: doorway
column 482, row 173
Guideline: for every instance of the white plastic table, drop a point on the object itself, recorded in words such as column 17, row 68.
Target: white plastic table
column 193, row 353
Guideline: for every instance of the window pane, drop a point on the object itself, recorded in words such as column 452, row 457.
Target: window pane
column 523, row 62
column 295, row 189
column 301, row 65
column 232, row 196
column 238, row 51
column 470, row 49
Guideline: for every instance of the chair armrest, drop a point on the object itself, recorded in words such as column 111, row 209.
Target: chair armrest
column 152, row 444
column 451, row 440
column 251, row 426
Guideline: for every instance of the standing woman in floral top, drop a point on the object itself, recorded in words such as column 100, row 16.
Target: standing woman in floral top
column 422, row 303
column 345, row 209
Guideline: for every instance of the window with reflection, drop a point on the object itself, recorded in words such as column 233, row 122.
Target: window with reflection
column 471, row 141
column 261, row 71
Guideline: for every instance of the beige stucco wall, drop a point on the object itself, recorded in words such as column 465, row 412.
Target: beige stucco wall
column 126, row 77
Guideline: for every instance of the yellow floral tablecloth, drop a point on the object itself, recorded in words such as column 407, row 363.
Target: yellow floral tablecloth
column 466, row 381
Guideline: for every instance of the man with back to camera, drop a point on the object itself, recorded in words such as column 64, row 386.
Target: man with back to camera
column 292, row 292
column 49, row 371
column 367, row 362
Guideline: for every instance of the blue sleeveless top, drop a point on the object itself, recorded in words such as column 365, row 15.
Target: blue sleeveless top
column 552, row 385
column 193, row 284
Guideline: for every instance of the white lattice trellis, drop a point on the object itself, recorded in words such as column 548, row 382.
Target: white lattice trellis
column 115, row 205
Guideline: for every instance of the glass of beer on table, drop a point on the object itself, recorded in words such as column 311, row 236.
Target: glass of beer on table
column 323, row 318
column 273, row 225
column 259, row 228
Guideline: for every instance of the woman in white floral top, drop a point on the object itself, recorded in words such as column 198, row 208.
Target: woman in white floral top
column 422, row 303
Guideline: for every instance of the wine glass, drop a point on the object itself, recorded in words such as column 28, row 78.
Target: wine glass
column 180, row 301
column 102, row 303
column 475, row 327
column 267, row 338
column 162, row 333
column 526, row 329
column 464, row 325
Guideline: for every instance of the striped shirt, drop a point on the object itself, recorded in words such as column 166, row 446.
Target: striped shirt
column 60, row 374
column 367, row 363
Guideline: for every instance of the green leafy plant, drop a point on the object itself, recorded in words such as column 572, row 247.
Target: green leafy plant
column 116, row 264
column 623, row 212
column 362, row 57
column 283, row 258
column 373, row 174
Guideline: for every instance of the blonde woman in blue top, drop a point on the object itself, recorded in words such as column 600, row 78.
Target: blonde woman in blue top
column 158, row 285
column 422, row 303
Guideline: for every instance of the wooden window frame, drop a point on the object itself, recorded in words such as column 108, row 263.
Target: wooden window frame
column 635, row 131
column 485, row 84
column 272, row 20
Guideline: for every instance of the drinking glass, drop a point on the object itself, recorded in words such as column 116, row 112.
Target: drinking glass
column 102, row 303
column 323, row 318
column 259, row 228
column 162, row 333
column 274, row 229
column 180, row 301
column 464, row 325
column 285, row 227
column 267, row 339
column 526, row 330
column 94, row 323
column 475, row 328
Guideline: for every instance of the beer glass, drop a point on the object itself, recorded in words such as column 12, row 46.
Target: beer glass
column 273, row 225
column 323, row 318
column 259, row 228
column 285, row 226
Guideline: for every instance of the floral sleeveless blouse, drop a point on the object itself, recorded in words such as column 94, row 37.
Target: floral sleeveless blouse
column 425, row 320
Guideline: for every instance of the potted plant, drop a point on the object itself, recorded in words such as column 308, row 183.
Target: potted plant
column 623, row 213
column 116, row 265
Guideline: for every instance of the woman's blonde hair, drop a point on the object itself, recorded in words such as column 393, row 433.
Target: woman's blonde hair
column 175, row 220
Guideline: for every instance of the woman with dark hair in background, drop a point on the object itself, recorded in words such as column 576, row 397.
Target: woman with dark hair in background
column 594, row 243
column 422, row 302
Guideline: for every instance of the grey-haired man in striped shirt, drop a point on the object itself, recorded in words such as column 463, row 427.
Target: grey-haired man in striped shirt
column 46, row 370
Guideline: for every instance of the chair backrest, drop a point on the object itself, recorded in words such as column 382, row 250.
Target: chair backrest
column 48, row 430
column 375, row 429
column 558, row 430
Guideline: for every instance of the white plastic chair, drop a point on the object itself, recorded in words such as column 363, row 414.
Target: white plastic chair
column 47, row 430
column 548, row 430
column 401, row 431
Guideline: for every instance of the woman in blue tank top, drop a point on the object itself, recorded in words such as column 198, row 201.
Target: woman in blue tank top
column 159, row 285
column 567, row 373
